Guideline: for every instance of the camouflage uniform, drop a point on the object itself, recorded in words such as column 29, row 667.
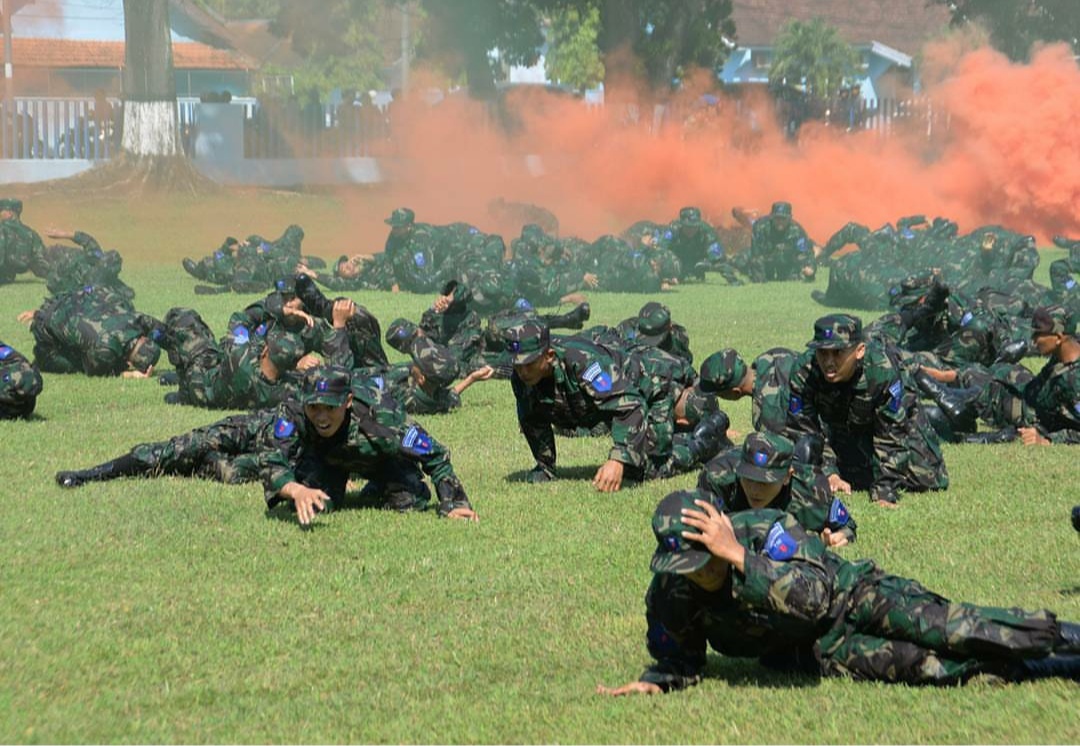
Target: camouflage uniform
column 652, row 327
column 877, row 436
column 698, row 247
column 436, row 363
column 73, row 269
column 767, row 458
column 725, row 370
column 778, row 250
column 95, row 332
column 21, row 248
column 376, row 442
column 410, row 250
column 795, row 604
column 20, row 384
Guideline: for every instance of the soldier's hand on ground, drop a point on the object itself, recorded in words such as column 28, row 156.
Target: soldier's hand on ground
column 836, row 484
column 1031, row 437
column 138, row 373
column 25, row 317
column 57, row 233
column 342, row 312
column 834, row 540
column 634, row 687
column 308, row 502
column 609, row 476
column 463, row 514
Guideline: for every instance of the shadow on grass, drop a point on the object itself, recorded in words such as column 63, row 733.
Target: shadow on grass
column 1074, row 591
column 286, row 513
column 570, row 473
column 772, row 674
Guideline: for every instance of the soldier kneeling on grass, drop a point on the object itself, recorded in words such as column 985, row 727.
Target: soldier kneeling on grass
column 756, row 584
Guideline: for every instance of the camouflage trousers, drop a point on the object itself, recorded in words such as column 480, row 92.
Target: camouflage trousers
column 922, row 466
column 895, row 630
column 1001, row 401
column 197, row 357
column 225, row 450
column 397, row 484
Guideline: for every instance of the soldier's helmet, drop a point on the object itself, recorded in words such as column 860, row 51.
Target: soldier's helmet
column 722, row 371
column 435, row 361
column 401, row 217
column 144, row 355
column 766, row 457
column 781, row 210
column 1055, row 319
column 837, row 331
column 690, row 215
column 699, row 404
column 653, row 323
column 526, row 339
column 400, row 334
column 12, row 204
column 674, row 553
column 284, row 351
column 911, row 290
column 326, row 384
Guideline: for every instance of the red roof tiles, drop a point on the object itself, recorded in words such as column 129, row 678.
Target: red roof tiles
column 63, row 53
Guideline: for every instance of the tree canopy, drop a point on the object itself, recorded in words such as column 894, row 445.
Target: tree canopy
column 573, row 56
column 812, row 55
column 1015, row 25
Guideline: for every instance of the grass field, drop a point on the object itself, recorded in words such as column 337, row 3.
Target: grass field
column 179, row 610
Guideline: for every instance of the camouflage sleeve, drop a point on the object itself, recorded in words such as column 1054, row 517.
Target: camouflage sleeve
column 85, row 240
column 417, row 445
column 535, row 427
column 331, row 281
column 802, row 416
column 335, row 347
column 280, row 452
column 816, row 508
column 786, row 574
column 891, row 452
column 675, row 641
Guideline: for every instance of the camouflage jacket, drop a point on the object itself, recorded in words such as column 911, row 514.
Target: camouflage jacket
column 92, row 326
column 1054, row 396
column 791, row 249
column 375, row 431
column 807, row 496
column 677, row 341
column 588, row 386
column 790, row 593
column 868, row 419
column 21, row 250
column 412, row 259
column 413, row 397
column 772, row 391
column 20, row 383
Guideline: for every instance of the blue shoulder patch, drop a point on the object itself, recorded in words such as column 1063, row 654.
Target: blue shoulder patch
column 419, row 259
column 1070, row 284
column 779, row 544
column 283, row 428
column 415, row 439
column 600, row 380
column 219, row 255
column 668, row 235
column 260, row 330
column 801, row 245
column 5, row 352
column 716, row 250
column 522, row 304
column 379, row 381
column 907, row 233
column 241, row 335
column 966, row 318
column 896, row 390
column 264, row 247
column 795, row 405
column 1076, row 407
column 838, row 514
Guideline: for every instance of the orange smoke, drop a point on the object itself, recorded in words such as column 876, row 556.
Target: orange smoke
column 1008, row 155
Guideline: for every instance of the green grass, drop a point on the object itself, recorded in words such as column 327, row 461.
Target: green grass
column 178, row 610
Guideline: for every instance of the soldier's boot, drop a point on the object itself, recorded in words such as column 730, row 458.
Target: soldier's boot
column 194, row 269
column 744, row 217
column 1068, row 638
column 1051, row 667
column 993, row 437
column 1013, row 352
column 941, row 424
column 809, row 450
column 1065, row 242
column 957, row 404
column 709, row 436
column 1076, row 517
column 313, row 299
column 574, row 320
column 169, row 378
column 125, row 466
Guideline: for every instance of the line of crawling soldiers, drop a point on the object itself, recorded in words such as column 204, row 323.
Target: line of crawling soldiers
column 743, row 562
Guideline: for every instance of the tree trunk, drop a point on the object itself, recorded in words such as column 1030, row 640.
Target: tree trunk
column 150, row 127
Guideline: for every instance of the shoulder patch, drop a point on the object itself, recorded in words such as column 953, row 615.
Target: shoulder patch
column 1070, row 284
column 801, row 245
column 716, row 250
column 779, row 544
column 219, row 255
column 838, row 513
column 591, row 372
column 1076, row 407
column 260, row 330
column 283, row 428
column 595, row 375
column 241, row 335
column 795, row 405
column 419, row 259
column 379, row 381
column 5, row 352
column 415, row 439
column 896, row 390
column 966, row 318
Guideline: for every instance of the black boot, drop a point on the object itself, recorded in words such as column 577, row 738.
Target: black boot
column 313, row 299
column 1076, row 517
column 809, row 450
column 1052, row 666
column 941, row 424
column 574, row 320
column 993, row 437
column 710, row 436
column 125, row 466
column 957, row 404
column 1068, row 638
column 195, row 270
column 169, row 378
column 1013, row 352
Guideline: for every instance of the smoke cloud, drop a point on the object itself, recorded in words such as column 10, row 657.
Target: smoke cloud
column 999, row 148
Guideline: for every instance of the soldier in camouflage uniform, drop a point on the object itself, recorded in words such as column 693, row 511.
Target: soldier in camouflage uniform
column 574, row 382
column 96, row 332
column 426, row 384
column 858, row 397
column 653, row 327
column 340, row 428
column 779, row 248
column 768, row 381
column 346, row 276
column 1063, row 271
column 225, row 451
column 757, row 585
column 1041, row 409
column 698, row 247
column 410, row 250
column 20, row 384
column 21, row 248
column 71, row 269
column 252, row 265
